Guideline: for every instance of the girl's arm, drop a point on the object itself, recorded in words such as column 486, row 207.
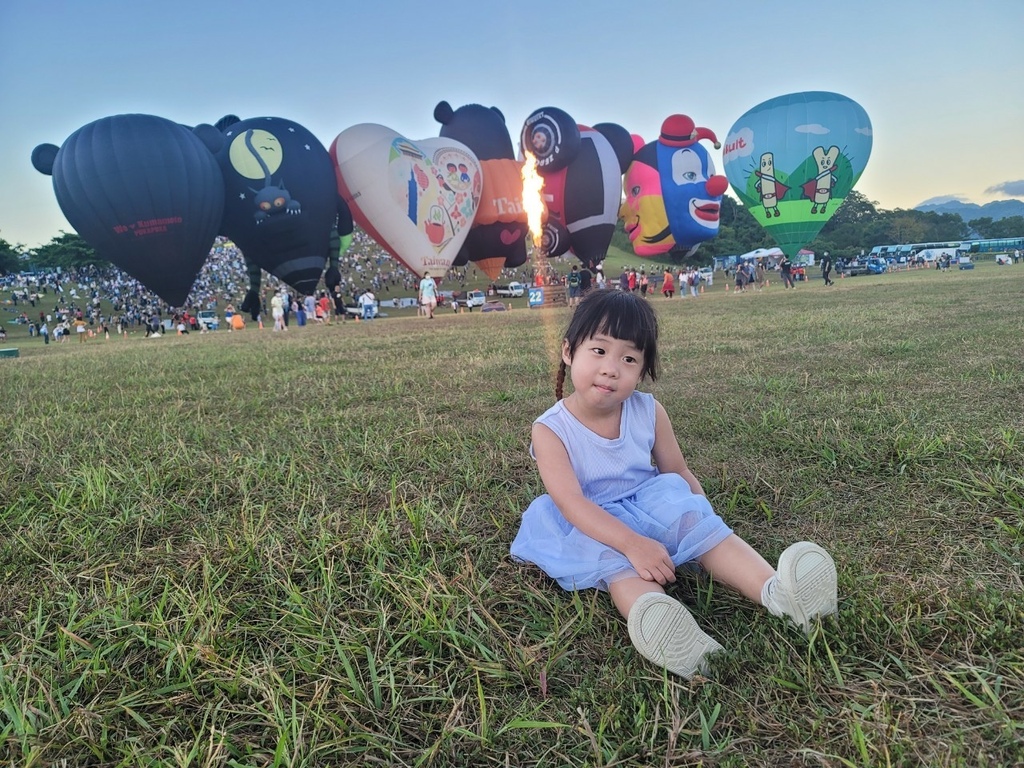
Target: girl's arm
column 648, row 557
column 667, row 453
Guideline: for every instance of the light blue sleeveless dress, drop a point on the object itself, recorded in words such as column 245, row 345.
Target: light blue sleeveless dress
column 619, row 476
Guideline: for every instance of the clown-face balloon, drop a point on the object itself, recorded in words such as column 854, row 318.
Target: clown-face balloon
column 673, row 195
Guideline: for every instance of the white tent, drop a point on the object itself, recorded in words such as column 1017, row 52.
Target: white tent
column 761, row 253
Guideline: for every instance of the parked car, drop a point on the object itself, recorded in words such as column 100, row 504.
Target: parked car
column 494, row 306
column 357, row 311
column 473, row 299
column 707, row 275
column 207, row 318
column 877, row 266
column 852, row 268
column 513, row 289
column 964, row 262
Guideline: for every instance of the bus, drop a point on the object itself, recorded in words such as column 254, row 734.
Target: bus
column 926, row 251
column 997, row 245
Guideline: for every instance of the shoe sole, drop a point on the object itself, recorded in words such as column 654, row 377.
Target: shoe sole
column 664, row 632
column 808, row 575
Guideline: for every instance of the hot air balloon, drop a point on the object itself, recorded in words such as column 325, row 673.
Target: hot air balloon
column 673, row 195
column 582, row 170
column 282, row 207
column 417, row 199
column 499, row 233
column 792, row 161
column 144, row 192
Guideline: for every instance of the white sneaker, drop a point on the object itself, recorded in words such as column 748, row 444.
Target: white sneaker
column 805, row 586
column 664, row 632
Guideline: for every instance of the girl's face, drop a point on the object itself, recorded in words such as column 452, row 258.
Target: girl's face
column 604, row 370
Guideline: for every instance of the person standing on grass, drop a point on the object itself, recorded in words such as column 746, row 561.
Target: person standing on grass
column 586, row 281
column 693, row 279
column 826, row 269
column 277, row 311
column 366, row 302
column 760, row 278
column 786, row 267
column 428, row 294
column 572, row 284
column 323, row 309
column 741, row 278
column 614, row 521
column 339, row 303
column 668, row 286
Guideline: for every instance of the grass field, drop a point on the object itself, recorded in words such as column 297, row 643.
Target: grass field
column 291, row 549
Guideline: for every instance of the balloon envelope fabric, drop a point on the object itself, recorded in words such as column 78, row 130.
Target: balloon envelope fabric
column 417, row 199
column 145, row 193
column 792, row 161
column 281, row 202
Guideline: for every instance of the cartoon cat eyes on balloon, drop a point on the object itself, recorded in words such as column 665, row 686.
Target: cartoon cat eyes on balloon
column 157, row 220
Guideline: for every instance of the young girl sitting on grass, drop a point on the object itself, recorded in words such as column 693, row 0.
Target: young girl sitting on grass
column 623, row 510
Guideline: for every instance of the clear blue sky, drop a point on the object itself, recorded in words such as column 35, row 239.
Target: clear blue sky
column 940, row 79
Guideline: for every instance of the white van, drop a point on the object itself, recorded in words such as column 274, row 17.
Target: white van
column 207, row 319
column 512, row 289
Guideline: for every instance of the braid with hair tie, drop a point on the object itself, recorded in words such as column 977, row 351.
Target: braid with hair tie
column 560, row 380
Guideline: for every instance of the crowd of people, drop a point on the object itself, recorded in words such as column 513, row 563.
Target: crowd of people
column 92, row 301
column 100, row 301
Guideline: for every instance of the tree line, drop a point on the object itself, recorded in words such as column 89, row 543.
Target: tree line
column 858, row 225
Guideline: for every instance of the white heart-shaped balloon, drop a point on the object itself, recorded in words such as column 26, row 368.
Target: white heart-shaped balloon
column 415, row 198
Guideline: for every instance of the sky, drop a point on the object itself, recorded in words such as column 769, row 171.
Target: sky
column 939, row 79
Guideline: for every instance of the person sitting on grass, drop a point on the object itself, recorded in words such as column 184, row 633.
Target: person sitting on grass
column 613, row 520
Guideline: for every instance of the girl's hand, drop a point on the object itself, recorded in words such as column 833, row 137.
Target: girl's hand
column 650, row 560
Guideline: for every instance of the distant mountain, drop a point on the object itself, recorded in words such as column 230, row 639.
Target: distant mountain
column 1000, row 209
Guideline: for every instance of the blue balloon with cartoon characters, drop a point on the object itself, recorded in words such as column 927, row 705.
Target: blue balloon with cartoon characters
column 793, row 159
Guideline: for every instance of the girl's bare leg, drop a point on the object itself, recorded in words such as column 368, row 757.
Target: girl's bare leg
column 661, row 628
column 625, row 591
column 738, row 565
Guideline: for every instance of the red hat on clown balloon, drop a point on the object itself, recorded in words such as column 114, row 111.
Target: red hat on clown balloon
column 679, row 131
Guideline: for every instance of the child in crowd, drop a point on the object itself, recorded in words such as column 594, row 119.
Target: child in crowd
column 615, row 521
